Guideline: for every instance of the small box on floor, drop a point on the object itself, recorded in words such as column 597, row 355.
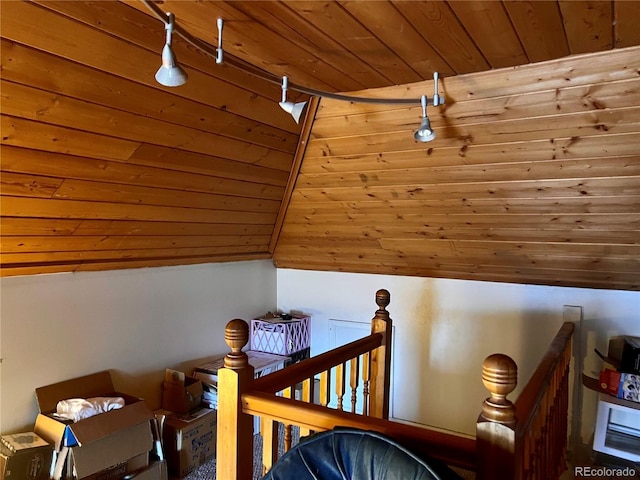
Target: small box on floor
column 189, row 439
column 180, row 394
column 24, row 456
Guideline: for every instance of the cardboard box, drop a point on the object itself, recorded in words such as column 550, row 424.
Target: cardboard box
column 156, row 471
column 99, row 442
column 182, row 397
column 24, row 456
column 263, row 363
column 189, row 439
column 134, row 469
column 118, row 472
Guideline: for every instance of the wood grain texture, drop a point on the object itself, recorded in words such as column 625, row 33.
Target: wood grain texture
column 538, row 187
column 527, row 153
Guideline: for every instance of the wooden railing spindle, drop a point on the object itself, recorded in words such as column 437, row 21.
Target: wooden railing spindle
column 527, row 468
column 307, row 396
column 287, row 393
column 354, row 370
column 366, row 378
column 564, row 407
column 340, row 384
column 270, row 440
column 307, row 390
column 325, row 382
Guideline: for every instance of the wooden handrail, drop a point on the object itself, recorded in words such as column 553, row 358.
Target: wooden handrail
column 520, row 440
column 453, row 449
column 529, row 399
column 299, row 372
column 513, row 441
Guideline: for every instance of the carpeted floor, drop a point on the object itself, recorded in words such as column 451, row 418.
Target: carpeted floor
column 208, row 470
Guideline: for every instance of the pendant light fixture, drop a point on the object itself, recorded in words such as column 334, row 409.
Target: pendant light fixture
column 425, row 133
column 170, row 74
column 295, row 109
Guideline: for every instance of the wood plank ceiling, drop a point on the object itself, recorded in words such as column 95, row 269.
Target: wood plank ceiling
column 534, row 176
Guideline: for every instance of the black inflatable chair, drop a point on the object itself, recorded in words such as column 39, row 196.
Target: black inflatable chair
column 351, row 454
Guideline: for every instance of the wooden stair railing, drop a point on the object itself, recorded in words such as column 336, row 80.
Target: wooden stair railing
column 526, row 441
column 521, row 441
column 369, row 361
column 453, row 449
column 299, row 372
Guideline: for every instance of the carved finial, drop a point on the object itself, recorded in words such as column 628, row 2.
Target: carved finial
column 383, row 299
column 500, row 377
column 236, row 334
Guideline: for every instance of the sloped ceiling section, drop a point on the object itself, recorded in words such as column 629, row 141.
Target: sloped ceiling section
column 104, row 168
column 533, row 177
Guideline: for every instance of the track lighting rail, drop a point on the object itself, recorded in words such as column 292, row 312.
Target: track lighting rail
column 171, row 74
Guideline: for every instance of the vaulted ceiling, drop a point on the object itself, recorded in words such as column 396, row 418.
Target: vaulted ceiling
column 534, row 176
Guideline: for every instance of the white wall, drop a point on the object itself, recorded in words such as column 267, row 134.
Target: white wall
column 136, row 322
column 445, row 328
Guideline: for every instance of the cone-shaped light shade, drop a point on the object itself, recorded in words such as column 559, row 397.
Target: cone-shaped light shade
column 295, row 109
column 425, row 133
column 170, row 74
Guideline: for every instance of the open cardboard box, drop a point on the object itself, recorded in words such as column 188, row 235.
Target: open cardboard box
column 182, row 397
column 101, row 441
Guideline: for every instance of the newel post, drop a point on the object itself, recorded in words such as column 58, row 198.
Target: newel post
column 234, row 450
column 496, row 425
column 381, row 359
